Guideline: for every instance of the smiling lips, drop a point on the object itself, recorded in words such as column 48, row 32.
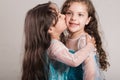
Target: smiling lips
column 73, row 24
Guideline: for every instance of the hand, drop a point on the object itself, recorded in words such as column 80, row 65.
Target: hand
column 91, row 40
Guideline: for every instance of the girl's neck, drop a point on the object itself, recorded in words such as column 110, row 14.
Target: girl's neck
column 55, row 36
column 73, row 35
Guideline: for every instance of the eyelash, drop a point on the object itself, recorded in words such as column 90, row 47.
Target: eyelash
column 80, row 14
column 69, row 13
column 59, row 16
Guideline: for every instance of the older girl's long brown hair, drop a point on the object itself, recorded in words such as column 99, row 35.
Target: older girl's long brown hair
column 37, row 40
column 91, row 29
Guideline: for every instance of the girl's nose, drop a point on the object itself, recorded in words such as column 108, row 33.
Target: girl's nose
column 73, row 17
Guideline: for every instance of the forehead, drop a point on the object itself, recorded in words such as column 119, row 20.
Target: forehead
column 78, row 7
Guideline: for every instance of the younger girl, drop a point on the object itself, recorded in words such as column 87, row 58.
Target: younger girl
column 43, row 26
column 81, row 20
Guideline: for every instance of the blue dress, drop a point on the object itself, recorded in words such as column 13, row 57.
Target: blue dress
column 75, row 73
column 60, row 71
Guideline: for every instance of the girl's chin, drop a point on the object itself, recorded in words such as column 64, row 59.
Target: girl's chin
column 72, row 31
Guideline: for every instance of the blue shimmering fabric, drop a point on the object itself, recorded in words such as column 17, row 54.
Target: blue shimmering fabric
column 75, row 73
column 60, row 71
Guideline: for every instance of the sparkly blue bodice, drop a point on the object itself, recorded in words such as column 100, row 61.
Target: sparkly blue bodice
column 60, row 71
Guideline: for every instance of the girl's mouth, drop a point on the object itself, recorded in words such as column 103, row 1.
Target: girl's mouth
column 73, row 24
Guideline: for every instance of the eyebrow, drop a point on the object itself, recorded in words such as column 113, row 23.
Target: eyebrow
column 72, row 11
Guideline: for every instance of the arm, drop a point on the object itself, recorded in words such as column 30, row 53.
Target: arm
column 60, row 52
column 91, row 68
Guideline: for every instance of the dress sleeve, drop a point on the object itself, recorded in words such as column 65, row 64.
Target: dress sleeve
column 58, row 51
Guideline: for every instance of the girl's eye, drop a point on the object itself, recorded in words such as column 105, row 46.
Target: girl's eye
column 68, row 13
column 59, row 16
column 80, row 14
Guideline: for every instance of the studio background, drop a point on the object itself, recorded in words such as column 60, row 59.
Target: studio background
column 12, row 15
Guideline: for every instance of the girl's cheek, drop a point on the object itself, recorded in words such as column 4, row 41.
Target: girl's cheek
column 67, row 19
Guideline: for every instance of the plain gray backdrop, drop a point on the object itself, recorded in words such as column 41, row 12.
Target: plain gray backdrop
column 12, row 15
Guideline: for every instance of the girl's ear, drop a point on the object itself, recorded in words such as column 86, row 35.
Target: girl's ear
column 51, row 29
column 87, row 22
